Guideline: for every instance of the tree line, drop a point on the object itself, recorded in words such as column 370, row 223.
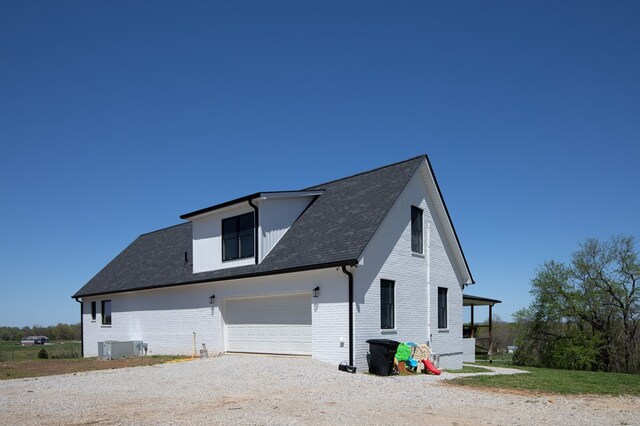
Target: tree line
column 585, row 313
column 53, row 332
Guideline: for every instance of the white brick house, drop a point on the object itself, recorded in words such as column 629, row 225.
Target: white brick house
column 312, row 272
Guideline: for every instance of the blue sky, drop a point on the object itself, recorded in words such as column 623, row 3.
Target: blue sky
column 116, row 117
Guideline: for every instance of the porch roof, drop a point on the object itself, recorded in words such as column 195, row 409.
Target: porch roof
column 469, row 300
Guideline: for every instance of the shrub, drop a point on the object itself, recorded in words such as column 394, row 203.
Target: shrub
column 43, row 354
column 66, row 353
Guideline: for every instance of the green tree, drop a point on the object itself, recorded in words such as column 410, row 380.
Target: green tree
column 585, row 315
column 10, row 333
column 53, row 332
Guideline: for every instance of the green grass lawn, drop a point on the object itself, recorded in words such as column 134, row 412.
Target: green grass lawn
column 470, row 369
column 464, row 369
column 12, row 351
column 544, row 380
column 498, row 360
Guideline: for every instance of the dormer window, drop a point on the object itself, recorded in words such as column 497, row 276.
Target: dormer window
column 238, row 237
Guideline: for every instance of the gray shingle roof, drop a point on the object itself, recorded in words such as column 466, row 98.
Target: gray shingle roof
column 333, row 230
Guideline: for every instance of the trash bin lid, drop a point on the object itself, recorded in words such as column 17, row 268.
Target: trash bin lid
column 384, row 342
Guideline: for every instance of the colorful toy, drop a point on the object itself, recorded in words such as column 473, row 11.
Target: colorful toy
column 411, row 357
column 429, row 366
column 403, row 352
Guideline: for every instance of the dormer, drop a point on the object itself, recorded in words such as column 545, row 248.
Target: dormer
column 243, row 231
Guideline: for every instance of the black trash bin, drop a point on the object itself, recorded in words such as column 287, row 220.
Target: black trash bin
column 381, row 354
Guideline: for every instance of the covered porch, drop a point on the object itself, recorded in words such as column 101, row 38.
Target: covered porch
column 473, row 341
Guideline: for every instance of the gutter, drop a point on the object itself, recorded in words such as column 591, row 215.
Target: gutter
column 257, row 224
column 350, row 275
column 219, row 206
column 81, row 328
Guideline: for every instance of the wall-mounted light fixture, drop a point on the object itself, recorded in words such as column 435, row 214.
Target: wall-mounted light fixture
column 211, row 299
column 316, row 292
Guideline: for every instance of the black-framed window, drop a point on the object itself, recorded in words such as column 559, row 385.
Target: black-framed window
column 387, row 302
column 237, row 237
column 416, row 230
column 442, row 307
column 93, row 310
column 106, row 312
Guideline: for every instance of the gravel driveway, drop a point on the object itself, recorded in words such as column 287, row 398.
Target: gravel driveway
column 276, row 390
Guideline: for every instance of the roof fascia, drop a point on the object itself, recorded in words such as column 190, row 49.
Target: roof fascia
column 480, row 300
column 461, row 260
column 351, row 262
column 219, row 206
column 289, row 194
column 246, row 198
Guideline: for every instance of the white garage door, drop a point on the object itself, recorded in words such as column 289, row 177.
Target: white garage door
column 273, row 324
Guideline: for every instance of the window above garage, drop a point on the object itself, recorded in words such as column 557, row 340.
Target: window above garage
column 238, row 237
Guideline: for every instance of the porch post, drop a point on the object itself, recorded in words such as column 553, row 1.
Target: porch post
column 490, row 333
column 473, row 334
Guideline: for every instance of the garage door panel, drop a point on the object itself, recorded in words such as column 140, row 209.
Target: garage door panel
column 275, row 324
column 282, row 310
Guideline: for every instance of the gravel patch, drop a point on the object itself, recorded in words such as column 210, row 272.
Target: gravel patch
column 264, row 390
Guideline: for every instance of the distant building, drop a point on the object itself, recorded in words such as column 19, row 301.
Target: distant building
column 511, row 349
column 34, row 340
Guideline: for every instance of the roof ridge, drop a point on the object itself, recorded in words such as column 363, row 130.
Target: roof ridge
column 164, row 229
column 365, row 172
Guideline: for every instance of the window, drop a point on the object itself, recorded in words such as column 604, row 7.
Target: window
column 416, row 230
column 93, row 310
column 387, row 301
column 106, row 312
column 237, row 237
column 442, row 307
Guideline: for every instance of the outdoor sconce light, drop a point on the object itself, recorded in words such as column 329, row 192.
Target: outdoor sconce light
column 316, row 292
column 211, row 299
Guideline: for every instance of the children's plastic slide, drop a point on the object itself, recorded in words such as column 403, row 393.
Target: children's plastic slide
column 429, row 366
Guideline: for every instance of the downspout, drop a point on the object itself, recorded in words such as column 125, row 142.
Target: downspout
column 257, row 221
column 429, row 284
column 350, row 275
column 81, row 328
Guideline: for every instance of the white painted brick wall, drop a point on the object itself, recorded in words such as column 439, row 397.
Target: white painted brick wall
column 389, row 256
column 163, row 318
column 447, row 342
column 167, row 318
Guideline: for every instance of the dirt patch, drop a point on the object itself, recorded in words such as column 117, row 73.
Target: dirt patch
column 52, row 367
